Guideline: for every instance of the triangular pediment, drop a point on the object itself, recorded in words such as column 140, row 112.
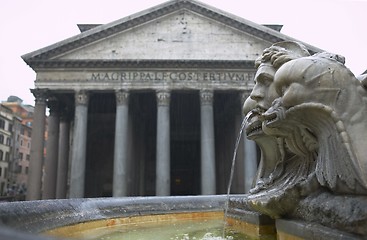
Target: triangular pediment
column 180, row 35
column 176, row 30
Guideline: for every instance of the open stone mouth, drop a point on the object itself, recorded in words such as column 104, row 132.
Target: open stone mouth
column 254, row 128
column 254, row 122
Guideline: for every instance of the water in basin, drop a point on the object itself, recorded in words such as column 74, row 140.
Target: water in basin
column 174, row 227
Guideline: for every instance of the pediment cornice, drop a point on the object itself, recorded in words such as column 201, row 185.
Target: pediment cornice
column 92, row 64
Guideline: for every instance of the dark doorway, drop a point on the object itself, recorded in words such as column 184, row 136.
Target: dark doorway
column 143, row 125
column 100, row 145
column 185, row 143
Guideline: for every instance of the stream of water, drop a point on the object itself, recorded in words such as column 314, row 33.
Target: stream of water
column 232, row 172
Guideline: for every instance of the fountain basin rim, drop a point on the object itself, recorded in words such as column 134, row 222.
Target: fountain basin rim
column 33, row 217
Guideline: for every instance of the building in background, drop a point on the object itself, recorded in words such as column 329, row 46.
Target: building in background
column 6, row 129
column 20, row 145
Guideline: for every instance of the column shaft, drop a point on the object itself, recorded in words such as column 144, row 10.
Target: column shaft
column 163, row 167
column 120, row 171
column 63, row 158
column 36, row 155
column 208, row 179
column 50, row 174
column 78, row 157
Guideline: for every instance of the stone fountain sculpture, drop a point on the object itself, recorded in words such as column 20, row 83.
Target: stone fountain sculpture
column 308, row 115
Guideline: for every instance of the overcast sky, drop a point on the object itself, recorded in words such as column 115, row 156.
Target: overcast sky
column 337, row 26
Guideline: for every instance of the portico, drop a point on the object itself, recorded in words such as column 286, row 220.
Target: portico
column 147, row 141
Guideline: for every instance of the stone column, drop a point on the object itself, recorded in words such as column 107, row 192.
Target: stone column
column 36, row 155
column 63, row 156
column 78, row 156
column 163, row 167
column 208, row 184
column 120, row 171
column 50, row 174
column 250, row 154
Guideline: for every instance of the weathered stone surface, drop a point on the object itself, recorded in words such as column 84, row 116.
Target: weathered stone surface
column 344, row 212
column 307, row 114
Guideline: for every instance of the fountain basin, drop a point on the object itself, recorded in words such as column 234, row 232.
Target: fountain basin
column 45, row 219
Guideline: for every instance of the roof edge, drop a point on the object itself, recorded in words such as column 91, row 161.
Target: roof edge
column 148, row 63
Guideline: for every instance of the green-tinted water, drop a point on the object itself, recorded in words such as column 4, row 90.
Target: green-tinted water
column 182, row 230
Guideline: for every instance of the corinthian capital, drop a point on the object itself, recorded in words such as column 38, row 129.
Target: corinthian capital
column 206, row 96
column 81, row 98
column 122, row 97
column 40, row 95
column 163, row 97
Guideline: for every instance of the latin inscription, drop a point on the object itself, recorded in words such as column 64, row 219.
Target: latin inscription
column 159, row 76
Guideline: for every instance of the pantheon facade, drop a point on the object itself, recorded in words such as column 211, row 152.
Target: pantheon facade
column 149, row 104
